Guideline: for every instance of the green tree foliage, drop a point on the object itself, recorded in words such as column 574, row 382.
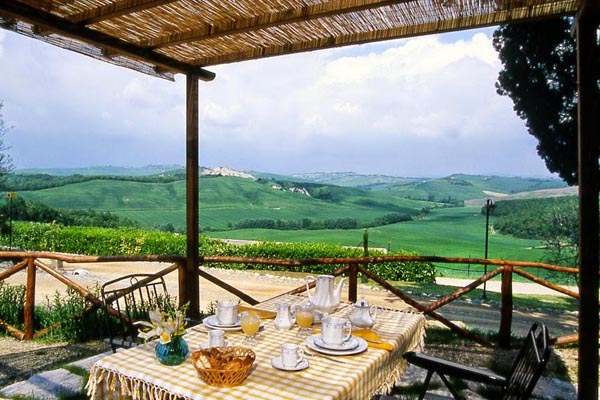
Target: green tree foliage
column 555, row 221
column 529, row 218
column 307, row 223
column 562, row 242
column 6, row 164
column 25, row 182
column 21, row 210
column 539, row 75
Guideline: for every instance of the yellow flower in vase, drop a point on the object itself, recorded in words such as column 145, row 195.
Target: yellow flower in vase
column 165, row 337
column 169, row 327
column 164, row 324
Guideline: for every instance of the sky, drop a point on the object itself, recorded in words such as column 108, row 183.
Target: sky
column 419, row 107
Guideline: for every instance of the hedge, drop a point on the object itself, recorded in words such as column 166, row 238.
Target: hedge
column 130, row 241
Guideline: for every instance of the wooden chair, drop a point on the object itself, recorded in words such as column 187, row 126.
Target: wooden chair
column 131, row 296
column 526, row 370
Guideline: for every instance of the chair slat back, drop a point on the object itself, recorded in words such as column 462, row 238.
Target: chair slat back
column 529, row 364
column 132, row 296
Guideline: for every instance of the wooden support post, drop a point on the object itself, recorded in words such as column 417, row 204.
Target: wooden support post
column 29, row 312
column 507, row 307
column 588, row 54
column 353, row 282
column 189, row 281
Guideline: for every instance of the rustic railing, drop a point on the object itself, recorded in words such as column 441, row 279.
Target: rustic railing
column 350, row 266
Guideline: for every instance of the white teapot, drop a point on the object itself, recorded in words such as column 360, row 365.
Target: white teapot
column 362, row 315
column 327, row 297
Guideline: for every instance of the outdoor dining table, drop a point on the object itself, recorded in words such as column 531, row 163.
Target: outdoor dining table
column 136, row 374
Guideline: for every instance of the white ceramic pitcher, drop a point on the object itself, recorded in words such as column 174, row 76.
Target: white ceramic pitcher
column 285, row 318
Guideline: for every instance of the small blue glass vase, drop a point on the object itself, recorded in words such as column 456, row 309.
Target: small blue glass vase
column 172, row 353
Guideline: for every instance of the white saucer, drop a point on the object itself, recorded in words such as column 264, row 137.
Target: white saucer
column 351, row 344
column 206, row 346
column 362, row 346
column 277, row 363
column 211, row 322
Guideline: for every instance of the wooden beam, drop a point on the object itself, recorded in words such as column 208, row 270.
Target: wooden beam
column 189, row 281
column 588, row 55
column 40, row 30
column 408, row 31
column 115, row 10
column 66, row 28
column 270, row 20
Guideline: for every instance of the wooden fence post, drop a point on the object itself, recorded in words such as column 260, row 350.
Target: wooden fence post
column 29, row 311
column 507, row 306
column 353, row 282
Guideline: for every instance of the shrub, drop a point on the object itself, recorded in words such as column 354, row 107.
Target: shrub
column 12, row 303
column 129, row 241
column 66, row 317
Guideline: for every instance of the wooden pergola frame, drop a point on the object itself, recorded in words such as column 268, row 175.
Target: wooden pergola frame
column 165, row 37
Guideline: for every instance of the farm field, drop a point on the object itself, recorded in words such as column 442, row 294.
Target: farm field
column 437, row 222
column 224, row 201
column 448, row 232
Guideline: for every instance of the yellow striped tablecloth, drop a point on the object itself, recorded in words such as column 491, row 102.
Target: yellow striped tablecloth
column 136, row 374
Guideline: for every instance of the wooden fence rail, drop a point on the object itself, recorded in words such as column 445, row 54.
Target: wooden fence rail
column 349, row 266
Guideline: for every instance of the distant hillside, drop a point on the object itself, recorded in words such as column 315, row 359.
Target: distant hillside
column 226, row 201
column 464, row 187
column 353, row 179
column 230, row 198
column 102, row 170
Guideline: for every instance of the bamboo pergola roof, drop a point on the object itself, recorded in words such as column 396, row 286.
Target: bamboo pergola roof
column 165, row 37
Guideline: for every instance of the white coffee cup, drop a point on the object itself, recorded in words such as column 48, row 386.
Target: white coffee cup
column 227, row 312
column 335, row 331
column 216, row 338
column 291, row 355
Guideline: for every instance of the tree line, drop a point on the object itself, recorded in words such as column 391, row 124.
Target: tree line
column 25, row 182
column 17, row 209
column 553, row 220
column 310, row 224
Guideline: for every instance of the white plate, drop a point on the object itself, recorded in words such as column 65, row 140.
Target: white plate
column 351, row 344
column 362, row 346
column 277, row 363
column 206, row 346
column 211, row 322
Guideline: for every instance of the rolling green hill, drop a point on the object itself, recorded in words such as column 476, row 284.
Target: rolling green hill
column 224, row 201
column 457, row 188
column 158, row 199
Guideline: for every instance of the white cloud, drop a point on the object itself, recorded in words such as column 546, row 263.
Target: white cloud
column 419, row 106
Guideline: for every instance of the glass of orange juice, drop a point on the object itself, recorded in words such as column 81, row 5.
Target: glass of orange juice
column 250, row 324
column 304, row 318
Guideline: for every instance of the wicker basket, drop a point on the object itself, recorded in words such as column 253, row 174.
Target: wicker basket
column 223, row 366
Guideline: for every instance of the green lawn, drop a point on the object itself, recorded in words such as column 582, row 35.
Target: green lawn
column 447, row 232
column 450, row 232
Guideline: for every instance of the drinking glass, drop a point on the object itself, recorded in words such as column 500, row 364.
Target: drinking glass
column 250, row 324
column 305, row 316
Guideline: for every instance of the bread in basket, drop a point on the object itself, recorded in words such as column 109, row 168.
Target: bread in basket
column 223, row 366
